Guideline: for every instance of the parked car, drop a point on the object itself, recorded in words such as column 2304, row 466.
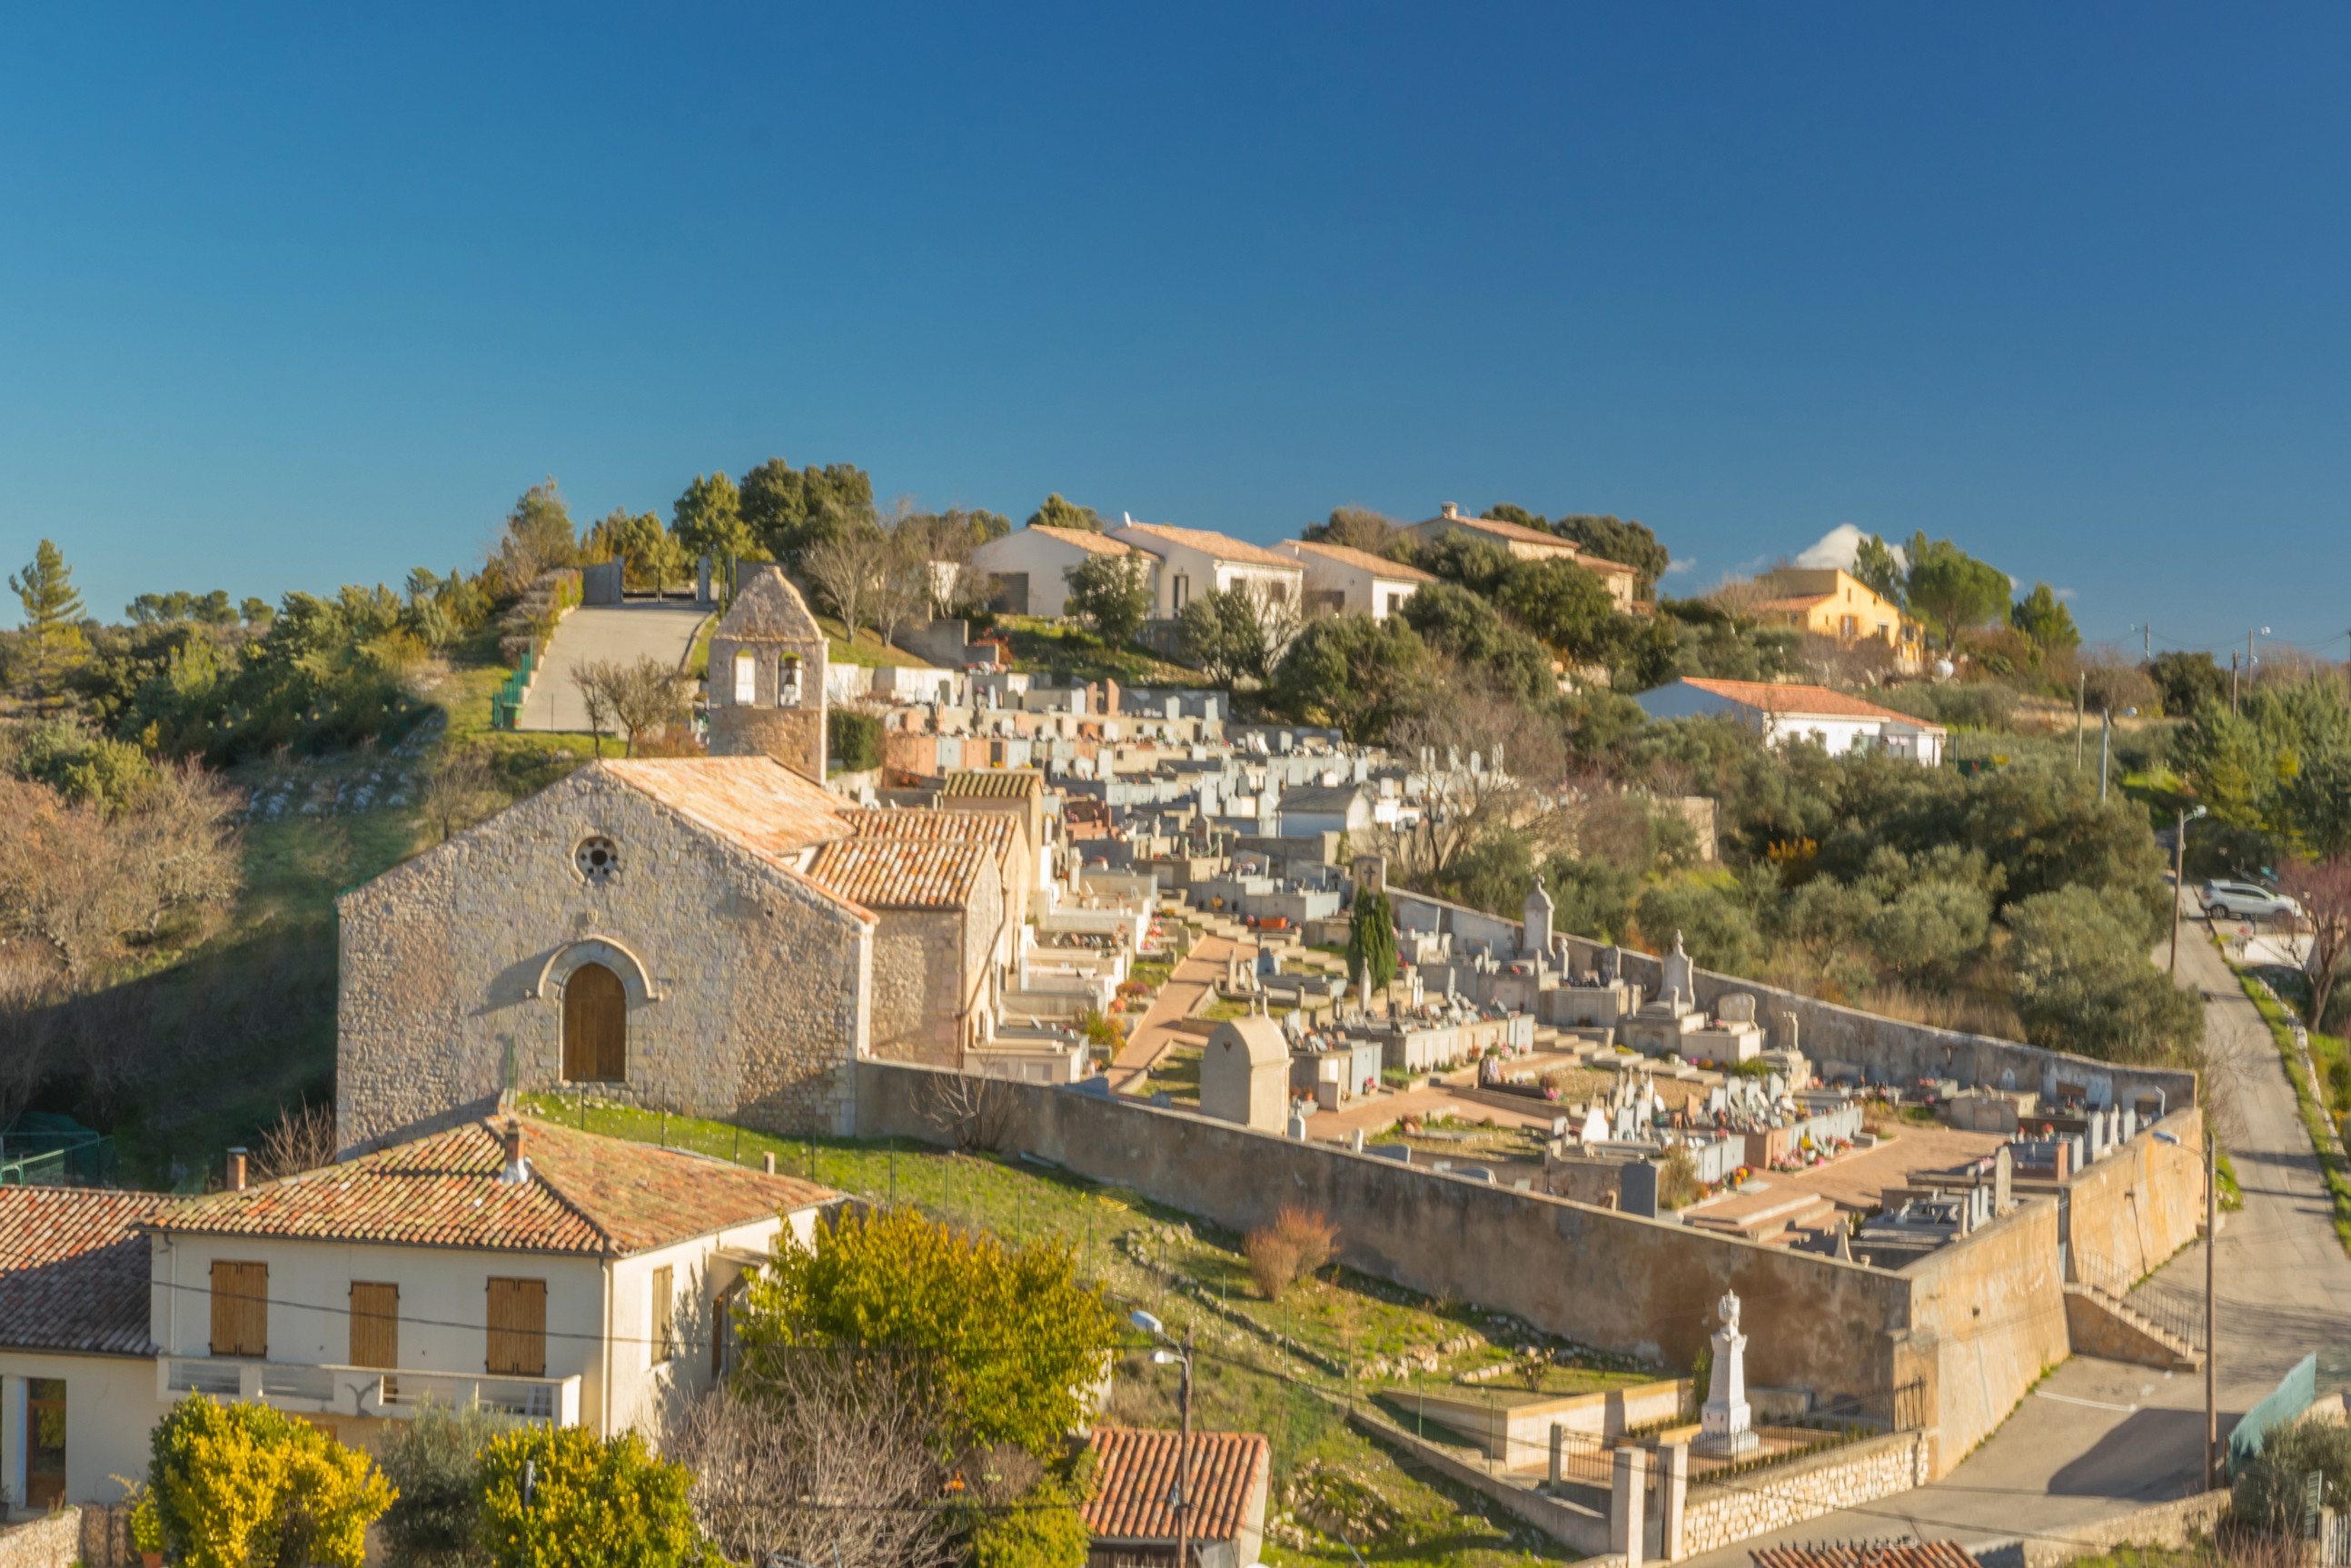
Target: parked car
column 2246, row 901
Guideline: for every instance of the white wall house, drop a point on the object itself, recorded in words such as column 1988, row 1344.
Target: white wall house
column 1031, row 565
column 1192, row 560
column 521, row 1265
column 1344, row 581
column 1782, row 712
column 1532, row 544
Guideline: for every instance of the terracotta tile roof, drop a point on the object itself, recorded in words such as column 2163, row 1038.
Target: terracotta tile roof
column 74, row 1274
column 901, row 874
column 1135, row 1470
column 1802, row 701
column 756, row 801
column 1503, row 529
column 1867, row 1554
column 1223, row 547
column 587, row 1196
column 994, row 783
column 1085, row 538
column 1363, row 559
column 994, row 829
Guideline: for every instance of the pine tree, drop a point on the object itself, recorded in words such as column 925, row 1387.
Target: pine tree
column 53, row 611
column 1371, row 939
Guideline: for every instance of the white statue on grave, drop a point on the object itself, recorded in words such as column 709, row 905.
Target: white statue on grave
column 1725, row 1426
column 1680, row 988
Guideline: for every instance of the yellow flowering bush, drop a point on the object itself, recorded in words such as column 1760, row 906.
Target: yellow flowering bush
column 243, row 1486
column 596, row 1502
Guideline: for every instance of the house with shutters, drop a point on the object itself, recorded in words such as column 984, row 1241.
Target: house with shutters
column 516, row 1264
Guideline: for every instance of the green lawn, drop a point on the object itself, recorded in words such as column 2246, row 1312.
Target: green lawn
column 1068, row 651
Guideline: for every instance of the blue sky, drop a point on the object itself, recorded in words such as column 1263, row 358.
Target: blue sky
column 297, row 297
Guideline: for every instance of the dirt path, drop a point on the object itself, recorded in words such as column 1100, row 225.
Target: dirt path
column 1194, row 979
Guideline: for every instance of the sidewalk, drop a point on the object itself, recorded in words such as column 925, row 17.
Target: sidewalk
column 1193, row 980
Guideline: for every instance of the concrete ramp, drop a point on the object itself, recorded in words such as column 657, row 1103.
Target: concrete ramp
column 598, row 633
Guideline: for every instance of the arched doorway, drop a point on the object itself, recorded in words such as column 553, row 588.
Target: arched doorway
column 595, row 1026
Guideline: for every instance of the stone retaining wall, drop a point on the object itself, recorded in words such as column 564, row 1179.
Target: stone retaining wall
column 53, row 1542
column 2174, row 1525
column 1781, row 1495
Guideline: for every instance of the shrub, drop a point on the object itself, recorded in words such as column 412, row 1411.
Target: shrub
column 1272, row 1261
column 2083, row 983
column 235, row 1485
column 1677, row 1183
column 852, row 739
column 2268, row 1492
column 435, row 1462
column 1042, row 1529
column 606, row 1500
column 1312, row 1233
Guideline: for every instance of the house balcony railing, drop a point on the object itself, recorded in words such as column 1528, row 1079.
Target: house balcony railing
column 370, row 1390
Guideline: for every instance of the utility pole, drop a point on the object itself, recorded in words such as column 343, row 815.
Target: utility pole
column 2106, row 744
column 2232, row 680
column 2212, row 1340
column 2081, row 696
column 2149, row 629
column 2179, row 883
column 1184, row 1457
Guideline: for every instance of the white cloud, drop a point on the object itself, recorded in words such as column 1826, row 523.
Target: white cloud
column 1836, row 547
column 1676, row 568
column 2066, row 594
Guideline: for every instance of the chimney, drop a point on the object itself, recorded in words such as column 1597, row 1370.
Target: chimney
column 768, row 1162
column 1450, row 509
column 237, row 1170
column 518, row 1169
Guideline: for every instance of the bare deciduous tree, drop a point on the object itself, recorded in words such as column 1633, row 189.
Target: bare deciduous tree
column 297, row 1141
column 846, row 571
column 970, row 1108
column 1488, row 763
column 641, row 697
column 833, row 1464
column 458, row 789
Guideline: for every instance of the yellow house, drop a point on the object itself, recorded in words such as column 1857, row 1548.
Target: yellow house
column 1834, row 604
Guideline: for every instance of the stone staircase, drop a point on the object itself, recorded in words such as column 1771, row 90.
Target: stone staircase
column 2099, row 1322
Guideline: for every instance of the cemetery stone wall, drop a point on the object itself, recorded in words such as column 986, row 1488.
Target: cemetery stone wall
column 1987, row 1318
column 1781, row 1495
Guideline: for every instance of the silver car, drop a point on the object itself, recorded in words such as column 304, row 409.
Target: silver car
column 2246, row 901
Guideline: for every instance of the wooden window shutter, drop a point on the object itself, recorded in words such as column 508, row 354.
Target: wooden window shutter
column 664, row 1317
column 241, row 1309
column 518, row 1324
column 375, row 1324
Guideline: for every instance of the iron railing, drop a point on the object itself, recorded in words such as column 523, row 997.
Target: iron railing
column 2177, row 1312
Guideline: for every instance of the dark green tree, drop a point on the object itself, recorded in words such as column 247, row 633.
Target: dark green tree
column 1226, row 634
column 1371, row 939
column 2083, row 983
column 1111, row 593
column 1952, row 589
column 53, row 611
column 1458, row 621
column 1358, row 527
column 1060, row 514
column 708, row 520
column 2187, row 681
column 1559, row 602
column 1621, row 540
column 1876, row 567
column 791, row 511
column 2043, row 617
column 1353, row 673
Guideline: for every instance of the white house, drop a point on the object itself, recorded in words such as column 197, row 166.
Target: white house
column 519, row 1264
column 1192, row 560
column 1781, row 713
column 1031, row 565
column 1341, row 580
column 1533, row 544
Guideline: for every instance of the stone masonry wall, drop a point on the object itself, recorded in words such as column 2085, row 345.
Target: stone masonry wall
column 1987, row 1318
column 756, row 979
column 1781, row 1495
column 52, row 1542
column 1895, row 1051
column 2142, row 1203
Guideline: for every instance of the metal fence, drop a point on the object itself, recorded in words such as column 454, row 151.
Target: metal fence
column 2295, row 1393
column 57, row 1159
column 2177, row 1310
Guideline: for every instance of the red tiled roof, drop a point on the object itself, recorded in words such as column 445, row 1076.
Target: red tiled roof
column 901, row 873
column 1802, row 702
column 1135, row 1470
column 587, row 1196
column 74, row 1273
column 1362, row 559
column 995, row 783
column 756, row 801
column 1503, row 530
column 1867, row 1554
column 993, row 829
column 1223, row 547
column 1085, row 538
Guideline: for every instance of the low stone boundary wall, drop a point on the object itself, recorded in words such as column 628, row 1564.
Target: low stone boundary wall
column 1581, row 1530
column 2166, row 1524
column 51, row 1542
column 1777, row 1496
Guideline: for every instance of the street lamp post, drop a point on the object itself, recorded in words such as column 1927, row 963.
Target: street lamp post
column 1180, row 1495
column 2180, row 880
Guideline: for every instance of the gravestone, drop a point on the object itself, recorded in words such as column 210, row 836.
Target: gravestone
column 1726, row 1425
column 2003, row 1165
column 1595, row 1127
column 1738, row 1008
column 1681, row 985
column 1355, row 1141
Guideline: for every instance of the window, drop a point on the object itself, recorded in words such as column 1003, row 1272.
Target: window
column 375, row 1326
column 721, row 1319
column 663, row 1338
column 597, row 859
column 517, row 1337
column 1179, row 591
column 45, row 1442
column 241, row 1309
column 747, row 680
column 788, row 681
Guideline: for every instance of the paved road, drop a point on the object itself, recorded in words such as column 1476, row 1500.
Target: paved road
column 2101, row 1437
column 593, row 634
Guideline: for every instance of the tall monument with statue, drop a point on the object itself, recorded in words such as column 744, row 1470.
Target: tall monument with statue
column 1726, row 1429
